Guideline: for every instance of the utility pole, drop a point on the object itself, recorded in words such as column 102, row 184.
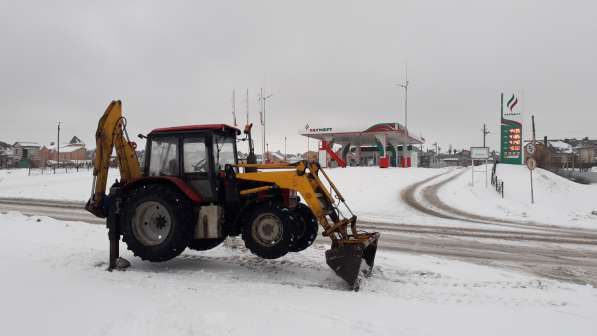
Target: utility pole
column 263, row 99
column 58, row 149
column 234, row 108
column 533, row 157
column 285, row 149
column 247, row 106
column 405, row 86
column 262, row 122
column 307, row 130
column 485, row 132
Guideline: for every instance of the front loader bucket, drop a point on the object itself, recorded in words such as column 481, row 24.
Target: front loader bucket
column 353, row 261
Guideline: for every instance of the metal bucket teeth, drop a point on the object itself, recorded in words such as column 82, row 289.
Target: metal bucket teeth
column 353, row 261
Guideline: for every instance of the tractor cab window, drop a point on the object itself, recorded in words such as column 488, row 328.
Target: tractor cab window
column 224, row 151
column 195, row 156
column 164, row 157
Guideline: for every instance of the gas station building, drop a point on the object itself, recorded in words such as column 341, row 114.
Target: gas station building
column 379, row 145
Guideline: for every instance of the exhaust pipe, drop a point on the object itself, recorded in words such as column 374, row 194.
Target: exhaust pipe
column 354, row 260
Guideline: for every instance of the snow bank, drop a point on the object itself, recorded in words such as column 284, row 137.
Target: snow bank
column 54, row 283
column 558, row 201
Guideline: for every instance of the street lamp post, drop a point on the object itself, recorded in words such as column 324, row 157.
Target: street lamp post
column 263, row 100
column 405, row 86
column 58, row 149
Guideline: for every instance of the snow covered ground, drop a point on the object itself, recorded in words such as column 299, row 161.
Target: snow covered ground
column 63, row 186
column 558, row 201
column 57, row 283
column 374, row 194
column 54, row 283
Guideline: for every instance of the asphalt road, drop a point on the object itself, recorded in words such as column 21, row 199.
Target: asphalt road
column 550, row 251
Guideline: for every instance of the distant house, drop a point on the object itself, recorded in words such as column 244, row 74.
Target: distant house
column 462, row 158
column 562, row 153
column 310, row 155
column 293, row 158
column 559, row 146
column 73, row 152
column 8, row 158
column 27, row 153
column 587, row 154
column 274, row 157
column 4, row 146
column 76, row 142
column 553, row 154
column 451, row 161
column 430, row 159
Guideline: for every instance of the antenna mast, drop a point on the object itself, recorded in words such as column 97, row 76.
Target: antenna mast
column 247, row 106
column 234, row 108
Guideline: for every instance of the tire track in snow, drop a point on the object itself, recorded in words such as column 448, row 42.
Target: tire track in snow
column 434, row 206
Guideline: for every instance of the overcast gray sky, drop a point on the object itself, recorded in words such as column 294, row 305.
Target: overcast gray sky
column 327, row 63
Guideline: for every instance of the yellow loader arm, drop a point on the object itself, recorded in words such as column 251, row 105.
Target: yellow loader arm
column 349, row 247
column 111, row 133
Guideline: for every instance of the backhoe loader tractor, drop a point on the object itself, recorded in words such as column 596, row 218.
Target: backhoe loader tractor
column 193, row 192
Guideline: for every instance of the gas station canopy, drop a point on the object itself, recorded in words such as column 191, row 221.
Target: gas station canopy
column 394, row 134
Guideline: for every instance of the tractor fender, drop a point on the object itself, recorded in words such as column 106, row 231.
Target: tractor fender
column 171, row 180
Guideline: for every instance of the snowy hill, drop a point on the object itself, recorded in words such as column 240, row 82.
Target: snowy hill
column 558, row 201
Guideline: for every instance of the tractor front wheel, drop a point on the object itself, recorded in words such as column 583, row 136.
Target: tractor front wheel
column 269, row 232
column 306, row 228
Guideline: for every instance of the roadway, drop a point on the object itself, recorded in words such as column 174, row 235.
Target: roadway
column 556, row 252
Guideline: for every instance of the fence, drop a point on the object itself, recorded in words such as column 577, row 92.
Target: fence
column 496, row 182
column 52, row 168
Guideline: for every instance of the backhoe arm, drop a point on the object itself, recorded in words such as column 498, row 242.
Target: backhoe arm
column 110, row 134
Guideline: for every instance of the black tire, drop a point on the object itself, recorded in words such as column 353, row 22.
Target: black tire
column 269, row 232
column 205, row 244
column 306, row 228
column 147, row 212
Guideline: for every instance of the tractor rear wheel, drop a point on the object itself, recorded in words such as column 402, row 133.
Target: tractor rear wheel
column 269, row 232
column 205, row 244
column 157, row 222
column 306, row 228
